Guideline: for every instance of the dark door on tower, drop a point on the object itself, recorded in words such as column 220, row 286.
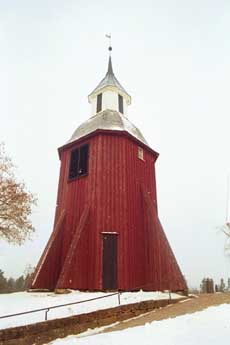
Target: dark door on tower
column 109, row 273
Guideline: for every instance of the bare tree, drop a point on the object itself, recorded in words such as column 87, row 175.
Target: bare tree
column 226, row 230
column 15, row 204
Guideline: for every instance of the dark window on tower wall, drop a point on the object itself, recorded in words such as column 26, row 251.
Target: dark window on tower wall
column 79, row 162
column 99, row 102
column 120, row 104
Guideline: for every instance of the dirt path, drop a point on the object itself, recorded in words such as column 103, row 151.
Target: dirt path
column 186, row 307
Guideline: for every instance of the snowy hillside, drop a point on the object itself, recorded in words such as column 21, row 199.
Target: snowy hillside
column 24, row 301
column 208, row 327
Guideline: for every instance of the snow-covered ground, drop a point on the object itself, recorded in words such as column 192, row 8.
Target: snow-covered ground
column 25, row 301
column 208, row 327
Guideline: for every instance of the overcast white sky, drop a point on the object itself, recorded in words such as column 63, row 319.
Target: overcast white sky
column 173, row 57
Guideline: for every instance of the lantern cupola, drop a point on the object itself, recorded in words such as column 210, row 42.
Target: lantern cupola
column 109, row 94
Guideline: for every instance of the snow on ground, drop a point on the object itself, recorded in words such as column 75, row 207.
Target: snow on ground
column 208, row 327
column 24, row 301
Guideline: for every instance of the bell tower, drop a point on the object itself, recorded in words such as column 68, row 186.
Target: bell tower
column 107, row 234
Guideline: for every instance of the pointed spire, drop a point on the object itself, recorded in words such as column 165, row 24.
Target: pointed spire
column 110, row 80
column 110, row 67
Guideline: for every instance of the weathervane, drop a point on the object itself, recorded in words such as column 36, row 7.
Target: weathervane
column 110, row 43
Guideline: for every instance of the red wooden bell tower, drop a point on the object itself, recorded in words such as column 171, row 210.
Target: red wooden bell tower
column 107, row 234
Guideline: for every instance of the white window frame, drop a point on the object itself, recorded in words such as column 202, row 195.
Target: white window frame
column 140, row 153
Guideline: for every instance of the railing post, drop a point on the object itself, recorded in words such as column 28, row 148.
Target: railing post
column 47, row 310
column 170, row 295
column 119, row 298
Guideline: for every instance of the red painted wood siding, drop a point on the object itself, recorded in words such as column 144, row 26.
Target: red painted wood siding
column 113, row 189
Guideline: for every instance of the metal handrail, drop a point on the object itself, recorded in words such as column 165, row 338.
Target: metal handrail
column 47, row 309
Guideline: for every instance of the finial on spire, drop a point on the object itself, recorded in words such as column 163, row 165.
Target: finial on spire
column 110, row 68
column 109, row 36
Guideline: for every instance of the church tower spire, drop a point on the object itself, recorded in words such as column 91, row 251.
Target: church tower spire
column 109, row 94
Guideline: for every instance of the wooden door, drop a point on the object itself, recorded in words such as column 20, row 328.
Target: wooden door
column 109, row 273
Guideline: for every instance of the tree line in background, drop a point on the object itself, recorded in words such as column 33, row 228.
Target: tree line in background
column 207, row 286
column 14, row 285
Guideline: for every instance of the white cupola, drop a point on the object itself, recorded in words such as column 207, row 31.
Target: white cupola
column 109, row 102
column 109, row 94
